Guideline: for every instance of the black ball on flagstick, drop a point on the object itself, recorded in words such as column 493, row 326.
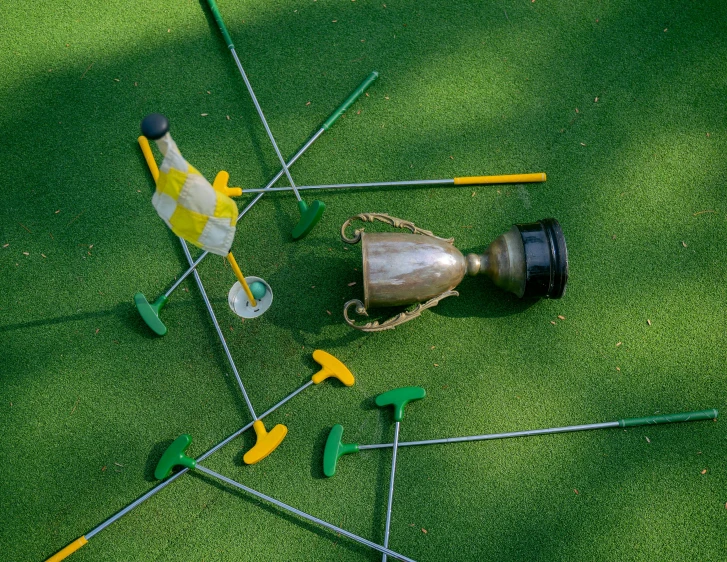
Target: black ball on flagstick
column 154, row 126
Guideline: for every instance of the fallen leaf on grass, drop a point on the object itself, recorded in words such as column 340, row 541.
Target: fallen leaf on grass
column 684, row 243
column 561, row 317
column 648, row 322
column 704, row 471
column 352, row 284
column 424, row 531
column 576, row 491
column 647, row 439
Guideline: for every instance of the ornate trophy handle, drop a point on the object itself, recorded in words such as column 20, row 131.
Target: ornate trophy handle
column 397, row 320
column 393, row 221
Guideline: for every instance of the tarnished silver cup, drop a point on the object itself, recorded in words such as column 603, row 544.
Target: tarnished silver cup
column 399, row 269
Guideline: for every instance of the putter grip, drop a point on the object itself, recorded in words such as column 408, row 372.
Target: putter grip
column 670, row 418
column 70, row 549
column 350, row 99
column 220, row 23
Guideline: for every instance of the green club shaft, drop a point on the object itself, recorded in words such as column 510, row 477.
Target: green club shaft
column 628, row 422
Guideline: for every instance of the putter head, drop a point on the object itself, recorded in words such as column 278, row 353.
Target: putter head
column 175, row 455
column 335, row 449
column 400, row 397
column 309, row 217
column 331, row 367
column 150, row 312
column 266, row 443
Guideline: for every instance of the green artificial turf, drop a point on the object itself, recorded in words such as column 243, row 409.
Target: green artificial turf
column 621, row 103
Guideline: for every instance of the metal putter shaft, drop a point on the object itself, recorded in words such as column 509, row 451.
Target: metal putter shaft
column 331, row 367
column 398, row 398
column 175, row 455
column 468, row 180
column 335, row 448
column 157, row 305
column 309, row 215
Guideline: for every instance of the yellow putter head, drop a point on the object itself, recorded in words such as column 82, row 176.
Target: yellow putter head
column 266, row 442
column 331, row 367
column 220, row 184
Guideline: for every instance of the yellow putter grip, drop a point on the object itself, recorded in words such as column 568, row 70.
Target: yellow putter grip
column 149, row 157
column 70, row 549
column 511, row 178
column 241, row 278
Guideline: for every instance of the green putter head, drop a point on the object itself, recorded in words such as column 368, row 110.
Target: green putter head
column 309, row 217
column 150, row 312
column 174, row 456
column 398, row 398
column 335, row 449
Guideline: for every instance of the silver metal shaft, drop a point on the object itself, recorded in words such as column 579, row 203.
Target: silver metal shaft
column 391, row 488
column 527, row 433
column 303, row 514
column 265, row 123
column 159, row 487
column 260, row 193
column 356, row 185
column 219, row 330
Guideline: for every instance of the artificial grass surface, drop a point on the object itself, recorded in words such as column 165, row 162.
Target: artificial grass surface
column 620, row 103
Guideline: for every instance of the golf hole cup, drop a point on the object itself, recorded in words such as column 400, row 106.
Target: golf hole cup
column 400, row 268
column 240, row 303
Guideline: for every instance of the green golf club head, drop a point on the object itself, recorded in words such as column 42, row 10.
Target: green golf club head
column 309, row 217
column 150, row 312
column 174, row 456
column 335, row 449
column 400, row 397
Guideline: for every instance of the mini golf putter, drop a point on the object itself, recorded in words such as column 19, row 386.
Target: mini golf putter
column 398, row 398
column 309, row 216
column 335, row 448
column 176, row 455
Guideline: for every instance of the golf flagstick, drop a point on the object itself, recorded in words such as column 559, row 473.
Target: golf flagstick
column 309, row 216
column 266, row 442
column 335, row 448
column 538, row 177
column 154, row 308
column 154, row 169
column 330, row 367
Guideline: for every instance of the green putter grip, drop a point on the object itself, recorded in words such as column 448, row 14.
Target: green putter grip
column 670, row 418
column 349, row 100
column 174, row 456
column 220, row 23
column 400, row 397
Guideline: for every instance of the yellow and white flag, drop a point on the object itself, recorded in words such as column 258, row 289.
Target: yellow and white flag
column 190, row 205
